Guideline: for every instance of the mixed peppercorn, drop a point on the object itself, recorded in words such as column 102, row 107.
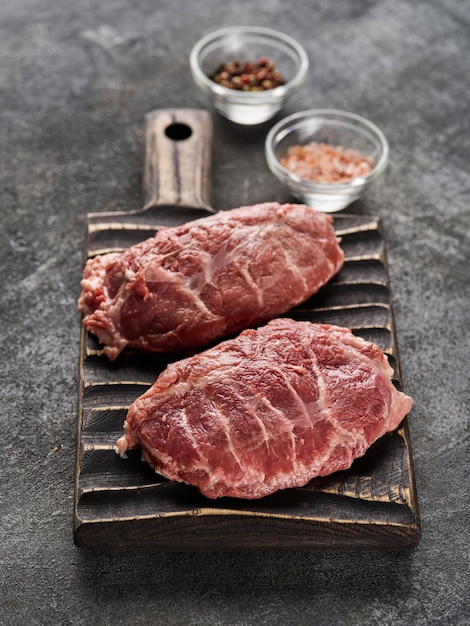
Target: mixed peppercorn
column 248, row 76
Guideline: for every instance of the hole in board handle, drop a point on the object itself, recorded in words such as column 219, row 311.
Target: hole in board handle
column 178, row 132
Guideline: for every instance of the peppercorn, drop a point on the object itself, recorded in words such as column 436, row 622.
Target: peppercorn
column 248, row 76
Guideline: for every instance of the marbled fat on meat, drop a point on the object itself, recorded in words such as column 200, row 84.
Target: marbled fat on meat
column 268, row 410
column 208, row 278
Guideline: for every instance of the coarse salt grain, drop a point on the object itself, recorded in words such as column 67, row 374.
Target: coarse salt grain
column 324, row 163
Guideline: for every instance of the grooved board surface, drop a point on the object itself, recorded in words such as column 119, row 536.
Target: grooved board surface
column 122, row 504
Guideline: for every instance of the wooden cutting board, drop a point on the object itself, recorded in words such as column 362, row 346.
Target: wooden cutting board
column 122, row 504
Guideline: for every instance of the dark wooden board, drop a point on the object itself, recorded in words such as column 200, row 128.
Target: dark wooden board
column 122, row 504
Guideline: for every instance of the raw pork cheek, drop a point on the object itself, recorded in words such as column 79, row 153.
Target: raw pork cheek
column 271, row 409
column 209, row 278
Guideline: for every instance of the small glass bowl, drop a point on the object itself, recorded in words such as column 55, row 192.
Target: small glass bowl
column 248, row 43
column 336, row 128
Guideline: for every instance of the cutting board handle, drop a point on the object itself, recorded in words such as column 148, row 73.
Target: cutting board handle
column 177, row 158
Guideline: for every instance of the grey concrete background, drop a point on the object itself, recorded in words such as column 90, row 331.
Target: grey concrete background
column 76, row 79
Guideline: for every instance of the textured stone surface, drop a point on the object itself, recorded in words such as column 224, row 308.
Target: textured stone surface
column 76, row 79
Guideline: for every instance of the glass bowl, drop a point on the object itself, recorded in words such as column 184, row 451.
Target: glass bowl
column 337, row 128
column 248, row 43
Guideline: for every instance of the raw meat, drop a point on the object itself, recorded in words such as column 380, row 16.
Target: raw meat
column 208, row 278
column 270, row 409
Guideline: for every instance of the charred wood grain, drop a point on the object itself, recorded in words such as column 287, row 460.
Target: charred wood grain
column 122, row 504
